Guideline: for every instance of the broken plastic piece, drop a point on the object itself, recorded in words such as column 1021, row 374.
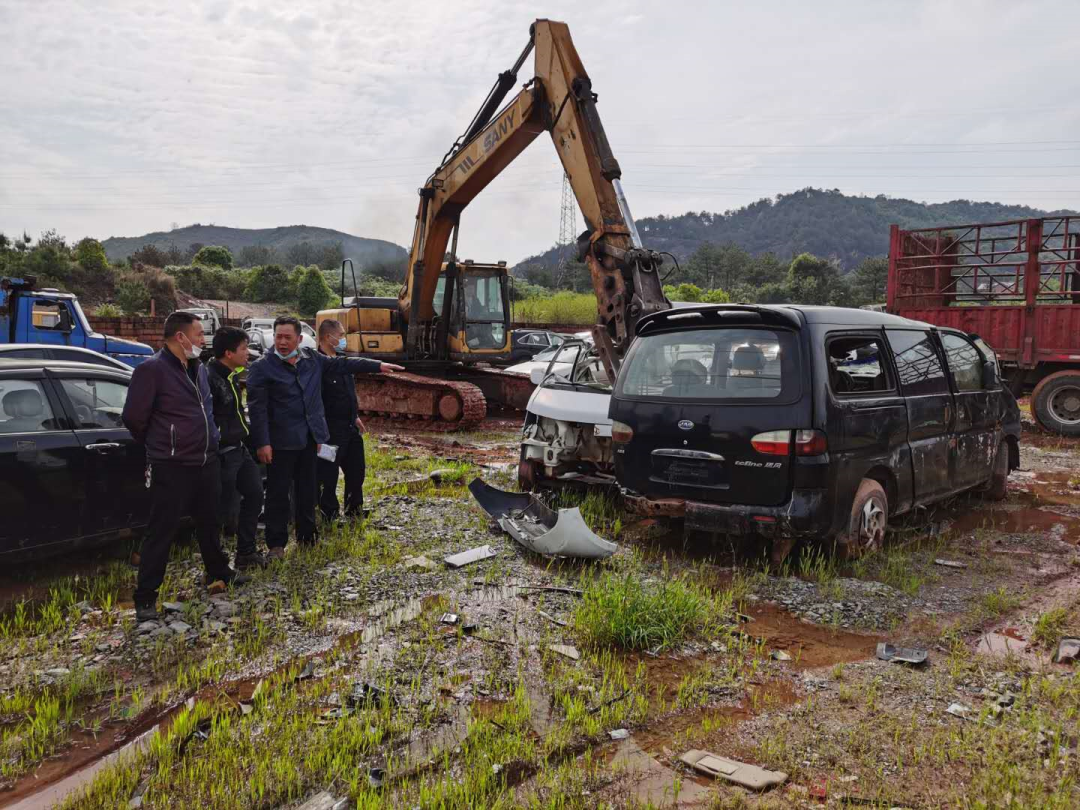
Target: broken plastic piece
column 365, row 694
column 1068, row 651
column 780, row 655
column 950, row 564
column 450, row 618
column 463, row 558
column 959, row 710
column 906, row 655
column 563, row 649
column 749, row 776
column 618, row 734
column 538, row 528
column 419, row 562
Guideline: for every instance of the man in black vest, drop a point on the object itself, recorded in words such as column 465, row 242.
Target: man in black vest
column 239, row 472
column 346, row 432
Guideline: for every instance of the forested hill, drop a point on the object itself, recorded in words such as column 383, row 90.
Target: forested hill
column 279, row 241
column 826, row 223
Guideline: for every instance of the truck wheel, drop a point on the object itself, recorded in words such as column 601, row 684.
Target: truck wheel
column 1055, row 402
column 866, row 524
column 997, row 487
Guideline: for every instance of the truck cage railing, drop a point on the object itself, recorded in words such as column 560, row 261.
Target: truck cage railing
column 1028, row 261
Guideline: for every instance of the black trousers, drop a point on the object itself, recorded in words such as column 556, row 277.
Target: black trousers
column 350, row 459
column 291, row 471
column 175, row 491
column 240, row 476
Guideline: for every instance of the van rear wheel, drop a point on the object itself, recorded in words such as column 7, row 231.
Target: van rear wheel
column 866, row 524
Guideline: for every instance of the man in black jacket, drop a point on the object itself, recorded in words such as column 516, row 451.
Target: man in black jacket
column 345, row 428
column 168, row 410
column 288, row 426
column 239, row 472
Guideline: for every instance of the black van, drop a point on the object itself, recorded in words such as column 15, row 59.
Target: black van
column 802, row 421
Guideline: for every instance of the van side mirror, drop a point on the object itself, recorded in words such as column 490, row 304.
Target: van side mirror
column 65, row 320
column 990, row 379
column 536, row 376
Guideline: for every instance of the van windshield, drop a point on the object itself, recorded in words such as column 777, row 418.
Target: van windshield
column 712, row 364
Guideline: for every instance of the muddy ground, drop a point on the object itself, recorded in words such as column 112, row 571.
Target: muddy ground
column 337, row 678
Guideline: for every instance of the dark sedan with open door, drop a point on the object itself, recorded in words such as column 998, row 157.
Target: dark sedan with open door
column 72, row 475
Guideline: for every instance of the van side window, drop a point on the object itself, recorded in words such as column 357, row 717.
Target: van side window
column 965, row 363
column 917, row 362
column 856, row 365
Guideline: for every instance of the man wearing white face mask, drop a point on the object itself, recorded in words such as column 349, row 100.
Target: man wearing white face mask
column 288, row 426
column 346, row 431
column 170, row 412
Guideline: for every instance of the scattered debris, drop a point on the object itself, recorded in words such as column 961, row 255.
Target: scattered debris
column 552, row 589
column 420, row 561
column 959, row 710
column 904, row 655
column 538, row 528
column 741, row 773
column 780, row 655
column 307, row 672
column 566, row 650
column 324, row 801
column 618, row 734
column 1068, row 650
column 365, row 694
column 450, row 618
column 950, row 563
column 551, row 618
column 463, row 558
column 376, row 777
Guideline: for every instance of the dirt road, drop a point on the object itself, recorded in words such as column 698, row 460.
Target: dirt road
column 338, row 674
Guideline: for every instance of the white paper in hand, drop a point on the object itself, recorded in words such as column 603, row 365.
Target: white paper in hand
column 328, row 452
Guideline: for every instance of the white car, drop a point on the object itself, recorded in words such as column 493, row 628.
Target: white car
column 566, row 437
column 564, row 360
column 266, row 327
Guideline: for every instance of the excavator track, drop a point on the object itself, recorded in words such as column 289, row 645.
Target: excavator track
column 418, row 402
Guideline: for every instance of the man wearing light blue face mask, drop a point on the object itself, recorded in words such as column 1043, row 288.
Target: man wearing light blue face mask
column 346, row 432
column 288, row 425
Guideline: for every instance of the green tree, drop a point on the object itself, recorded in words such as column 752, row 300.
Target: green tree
column 150, row 255
column 869, row 280
column 91, row 255
column 313, row 293
column 812, row 279
column 683, row 292
column 132, row 295
column 267, row 283
column 716, row 296
column 214, row 255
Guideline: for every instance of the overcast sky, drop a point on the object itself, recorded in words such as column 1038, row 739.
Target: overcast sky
column 123, row 117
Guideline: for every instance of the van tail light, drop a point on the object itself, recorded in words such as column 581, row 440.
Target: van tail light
column 810, row 443
column 621, row 433
column 772, row 442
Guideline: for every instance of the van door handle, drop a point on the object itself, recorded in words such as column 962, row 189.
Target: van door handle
column 102, row 447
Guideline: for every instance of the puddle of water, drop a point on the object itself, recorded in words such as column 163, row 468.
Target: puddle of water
column 809, row 645
column 1022, row 520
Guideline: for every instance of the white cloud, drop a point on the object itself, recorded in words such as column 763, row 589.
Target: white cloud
column 120, row 117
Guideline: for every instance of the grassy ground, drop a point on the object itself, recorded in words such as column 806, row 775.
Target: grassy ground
column 339, row 669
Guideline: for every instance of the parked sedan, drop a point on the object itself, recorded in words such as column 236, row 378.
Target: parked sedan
column 527, row 343
column 49, row 351
column 72, row 474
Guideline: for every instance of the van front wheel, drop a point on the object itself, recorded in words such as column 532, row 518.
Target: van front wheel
column 866, row 524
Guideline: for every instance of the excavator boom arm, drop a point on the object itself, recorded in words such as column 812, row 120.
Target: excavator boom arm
column 558, row 100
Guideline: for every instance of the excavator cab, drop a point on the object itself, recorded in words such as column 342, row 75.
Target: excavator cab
column 477, row 313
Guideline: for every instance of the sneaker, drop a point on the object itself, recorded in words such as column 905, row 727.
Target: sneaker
column 276, row 553
column 252, row 560
column 237, row 579
column 147, row 613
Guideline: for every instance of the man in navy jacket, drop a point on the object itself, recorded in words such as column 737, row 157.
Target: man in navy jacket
column 288, row 424
column 169, row 411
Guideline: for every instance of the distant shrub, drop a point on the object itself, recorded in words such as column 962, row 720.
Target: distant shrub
column 214, row 255
column 91, row 255
column 108, row 311
column 312, row 293
column 267, row 283
column 132, row 295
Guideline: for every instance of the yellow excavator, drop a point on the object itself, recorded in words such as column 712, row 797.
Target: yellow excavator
column 451, row 319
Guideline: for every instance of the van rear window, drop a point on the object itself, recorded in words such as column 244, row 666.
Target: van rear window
column 712, row 364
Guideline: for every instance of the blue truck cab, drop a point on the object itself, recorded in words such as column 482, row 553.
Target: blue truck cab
column 29, row 315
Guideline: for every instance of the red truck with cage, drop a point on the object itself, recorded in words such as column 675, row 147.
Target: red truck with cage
column 1017, row 286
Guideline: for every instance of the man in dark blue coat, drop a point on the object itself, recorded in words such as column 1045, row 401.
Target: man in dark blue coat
column 169, row 411
column 288, row 425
